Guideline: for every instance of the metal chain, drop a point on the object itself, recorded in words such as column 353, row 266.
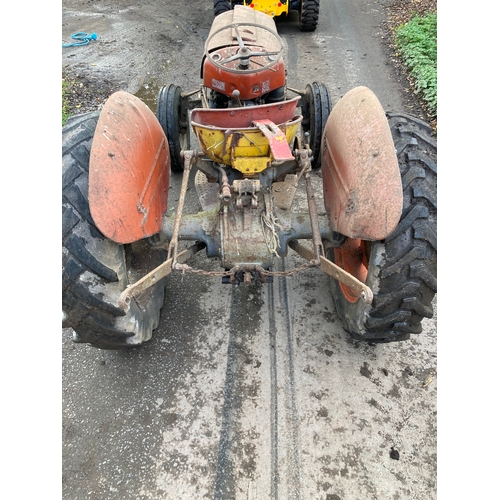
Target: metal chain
column 184, row 268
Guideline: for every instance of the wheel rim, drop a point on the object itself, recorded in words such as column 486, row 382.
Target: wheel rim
column 353, row 257
column 183, row 141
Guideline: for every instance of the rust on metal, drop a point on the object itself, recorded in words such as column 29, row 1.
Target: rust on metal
column 208, row 192
column 224, row 144
column 129, row 170
column 250, row 85
column 155, row 275
column 284, row 191
column 278, row 144
column 361, row 179
column 225, row 191
column 353, row 257
column 251, row 165
column 304, row 160
column 258, row 33
column 174, row 242
column 363, row 291
column 243, row 240
column 278, row 112
column 251, row 34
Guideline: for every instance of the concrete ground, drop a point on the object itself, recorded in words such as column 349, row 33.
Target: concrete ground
column 245, row 393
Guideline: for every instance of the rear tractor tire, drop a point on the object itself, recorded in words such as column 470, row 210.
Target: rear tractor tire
column 400, row 270
column 95, row 269
column 173, row 118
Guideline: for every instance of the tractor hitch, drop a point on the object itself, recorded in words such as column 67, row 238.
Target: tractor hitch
column 234, row 230
column 156, row 275
column 336, row 272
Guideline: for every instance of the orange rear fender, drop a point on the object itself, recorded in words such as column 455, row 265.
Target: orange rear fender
column 129, row 171
column 361, row 180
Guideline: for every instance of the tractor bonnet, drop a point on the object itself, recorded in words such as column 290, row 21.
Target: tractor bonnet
column 258, row 33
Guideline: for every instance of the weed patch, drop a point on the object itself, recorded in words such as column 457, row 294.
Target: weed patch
column 65, row 101
column 416, row 42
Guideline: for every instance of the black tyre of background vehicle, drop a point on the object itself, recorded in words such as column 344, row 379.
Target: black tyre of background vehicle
column 95, row 269
column 308, row 15
column 173, row 118
column 400, row 270
column 316, row 109
column 221, row 6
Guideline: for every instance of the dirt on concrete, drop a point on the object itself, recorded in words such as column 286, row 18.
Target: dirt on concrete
column 87, row 90
column 136, row 45
column 244, row 393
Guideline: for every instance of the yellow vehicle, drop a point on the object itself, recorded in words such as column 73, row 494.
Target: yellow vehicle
column 308, row 9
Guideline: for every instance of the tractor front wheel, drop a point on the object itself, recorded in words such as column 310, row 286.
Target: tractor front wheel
column 316, row 108
column 400, row 270
column 173, row 118
column 95, row 270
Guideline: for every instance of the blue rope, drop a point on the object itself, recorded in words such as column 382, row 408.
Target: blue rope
column 83, row 39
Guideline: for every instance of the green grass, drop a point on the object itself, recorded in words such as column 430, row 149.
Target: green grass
column 65, row 104
column 417, row 44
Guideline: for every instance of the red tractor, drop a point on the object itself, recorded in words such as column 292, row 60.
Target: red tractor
column 259, row 141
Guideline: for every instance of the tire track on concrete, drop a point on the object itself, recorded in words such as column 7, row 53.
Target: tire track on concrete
column 291, row 406
column 259, row 456
column 225, row 480
column 274, row 394
column 242, row 466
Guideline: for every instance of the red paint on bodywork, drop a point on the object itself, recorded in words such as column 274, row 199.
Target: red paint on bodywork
column 250, row 85
column 279, row 112
column 361, row 179
column 129, row 171
column 280, row 150
column 258, row 32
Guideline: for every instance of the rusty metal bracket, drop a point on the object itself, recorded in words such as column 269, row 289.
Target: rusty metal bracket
column 188, row 157
column 156, row 275
column 335, row 272
column 304, row 159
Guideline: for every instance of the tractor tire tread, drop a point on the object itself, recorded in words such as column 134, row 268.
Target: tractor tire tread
column 319, row 103
column 309, row 14
column 94, row 270
column 167, row 112
column 405, row 282
column 221, row 6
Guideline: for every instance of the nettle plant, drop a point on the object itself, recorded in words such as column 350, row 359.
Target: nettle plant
column 417, row 44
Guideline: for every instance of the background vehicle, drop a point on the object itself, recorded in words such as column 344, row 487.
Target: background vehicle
column 308, row 9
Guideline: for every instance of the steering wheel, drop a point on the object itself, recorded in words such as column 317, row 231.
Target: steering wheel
column 244, row 52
